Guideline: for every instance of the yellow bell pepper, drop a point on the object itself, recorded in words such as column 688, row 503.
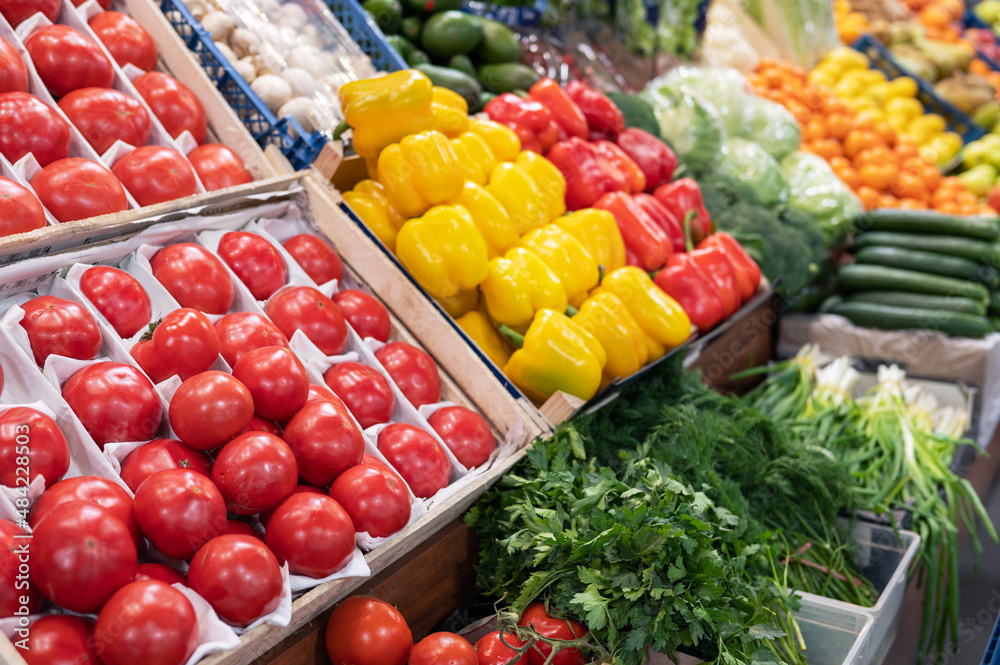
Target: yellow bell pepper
column 519, row 195
column 606, row 318
column 418, row 172
column 520, row 284
column 443, row 251
column 481, row 330
column 475, row 159
column 501, row 139
column 550, row 181
column 566, row 256
column 451, row 112
column 555, row 354
column 371, row 205
column 385, row 109
column 664, row 323
column 490, row 218
column 461, row 303
column 598, row 231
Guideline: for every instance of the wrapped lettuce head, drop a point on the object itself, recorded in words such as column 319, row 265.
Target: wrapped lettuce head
column 747, row 162
column 814, row 188
column 725, row 88
column 770, row 125
column 690, row 125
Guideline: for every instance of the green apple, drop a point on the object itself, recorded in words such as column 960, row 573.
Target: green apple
column 979, row 179
column 988, row 11
column 978, row 153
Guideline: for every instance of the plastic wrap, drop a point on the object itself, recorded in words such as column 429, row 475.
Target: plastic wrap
column 747, row 162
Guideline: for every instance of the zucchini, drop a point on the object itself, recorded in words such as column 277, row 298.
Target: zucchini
column 966, row 248
column 937, row 264
column 860, row 277
column 921, row 301
column 890, row 317
column 984, row 227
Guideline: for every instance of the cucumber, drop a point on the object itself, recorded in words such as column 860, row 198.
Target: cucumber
column 859, row 277
column 463, row 84
column 966, row 248
column 889, row 317
column 912, row 259
column 451, row 33
column 920, row 301
column 507, row 77
column 463, row 64
column 994, row 307
column 983, row 227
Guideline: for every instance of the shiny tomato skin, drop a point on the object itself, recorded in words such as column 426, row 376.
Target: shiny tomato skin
column 27, row 124
column 15, row 546
column 324, row 440
column 93, row 489
column 147, row 622
column 115, row 402
column 80, row 555
column 258, row 424
column 61, row 327
column 255, row 472
column 177, row 108
column 61, row 639
column 238, row 576
column 276, row 379
column 66, row 60
column 119, row 297
column 76, row 188
column 155, row 173
column 318, row 392
column 312, row 533
column 299, row 489
column 235, row 527
column 105, row 115
column 126, row 40
column 549, row 626
column 218, row 167
column 184, row 342
column 16, row 11
column 491, row 651
column 20, row 210
column 316, row 257
column 194, row 277
column 367, row 631
column 367, row 315
column 13, row 72
column 255, row 262
column 47, row 450
column 466, row 433
column 158, row 571
column 241, row 332
column 179, row 510
column 160, row 455
column 443, row 649
column 364, row 390
column 209, row 409
column 413, row 370
column 417, row 456
column 375, row 498
column 305, row 308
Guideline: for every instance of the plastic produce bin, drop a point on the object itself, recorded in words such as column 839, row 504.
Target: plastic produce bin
column 834, row 635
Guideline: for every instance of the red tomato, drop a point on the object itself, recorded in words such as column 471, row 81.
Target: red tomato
column 126, row 40
column 371, row 460
column 238, row 576
column 312, row 533
column 258, row 424
column 15, row 11
column 299, row 489
column 241, row 332
column 491, row 651
column 118, row 297
column 61, row 639
column 184, row 342
column 367, row 631
column 255, row 471
column 20, row 210
column 92, row 489
column 60, row 327
column 146, row 622
column 177, row 108
column 306, row 309
column 316, row 257
column 179, row 510
column 157, row 571
column 16, row 590
column 466, row 433
column 324, row 440
column 321, row 392
column 218, row 167
column 374, row 497
column 80, row 555
column 276, row 379
column 27, row 435
column 13, row 72
column 209, row 409
column 105, row 115
column 194, row 277
column 66, row 60
column 235, row 527
column 160, row 455
column 367, row 316
column 154, row 174
column 364, row 390
column 27, row 124
column 255, row 261
column 413, row 370
column 417, row 456
column 115, row 402
column 443, row 649
column 76, row 188
column 549, row 626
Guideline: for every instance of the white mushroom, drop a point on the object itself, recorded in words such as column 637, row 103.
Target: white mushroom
column 197, row 7
column 246, row 69
column 273, row 90
column 300, row 109
column 243, row 42
column 260, row 66
column 226, row 51
column 270, row 8
column 307, row 58
column 292, row 16
column 302, row 82
column 218, row 25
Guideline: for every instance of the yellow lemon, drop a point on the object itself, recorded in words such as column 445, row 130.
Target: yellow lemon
column 903, row 86
column 879, row 92
column 904, row 107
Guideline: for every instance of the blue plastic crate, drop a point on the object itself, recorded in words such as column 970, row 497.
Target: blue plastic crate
column 367, row 34
column 299, row 147
column 882, row 59
column 992, row 655
column 514, row 17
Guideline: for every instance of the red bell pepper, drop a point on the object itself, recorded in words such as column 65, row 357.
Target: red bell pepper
column 664, row 218
column 589, row 176
column 605, row 119
column 747, row 270
column 718, row 268
column 634, row 176
column 530, row 119
column 647, row 245
column 566, row 114
column 682, row 196
column 688, row 284
column 653, row 156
